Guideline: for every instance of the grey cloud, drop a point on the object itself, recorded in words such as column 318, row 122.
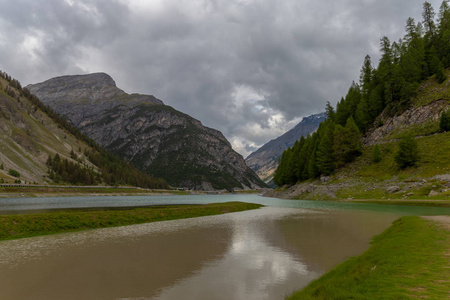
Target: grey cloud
column 193, row 55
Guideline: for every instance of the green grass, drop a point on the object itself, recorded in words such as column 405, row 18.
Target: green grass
column 431, row 91
column 409, row 260
column 367, row 179
column 27, row 225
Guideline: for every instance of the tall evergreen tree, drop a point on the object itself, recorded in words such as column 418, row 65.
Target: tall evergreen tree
column 346, row 143
column 324, row 153
column 444, row 33
column 428, row 21
column 365, row 79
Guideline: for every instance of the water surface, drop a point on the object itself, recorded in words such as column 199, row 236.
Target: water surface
column 260, row 254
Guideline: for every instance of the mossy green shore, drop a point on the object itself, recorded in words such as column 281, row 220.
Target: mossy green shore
column 27, row 225
column 409, row 260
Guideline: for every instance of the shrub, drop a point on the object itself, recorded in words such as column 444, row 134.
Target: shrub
column 13, row 173
column 445, row 121
column 408, row 153
column 376, row 154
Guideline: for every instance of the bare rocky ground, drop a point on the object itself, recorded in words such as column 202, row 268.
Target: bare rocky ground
column 327, row 188
column 442, row 220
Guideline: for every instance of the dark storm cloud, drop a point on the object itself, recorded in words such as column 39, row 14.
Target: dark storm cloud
column 251, row 69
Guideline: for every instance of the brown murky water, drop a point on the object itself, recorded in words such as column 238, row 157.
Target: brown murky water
column 261, row 254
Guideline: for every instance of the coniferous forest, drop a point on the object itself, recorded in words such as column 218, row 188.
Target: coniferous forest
column 424, row 51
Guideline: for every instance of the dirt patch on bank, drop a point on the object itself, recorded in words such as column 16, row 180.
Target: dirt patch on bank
column 443, row 220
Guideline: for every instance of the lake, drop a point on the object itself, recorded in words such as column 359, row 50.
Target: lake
column 261, row 254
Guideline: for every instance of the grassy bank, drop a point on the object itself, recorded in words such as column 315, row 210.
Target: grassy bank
column 19, row 226
column 409, row 260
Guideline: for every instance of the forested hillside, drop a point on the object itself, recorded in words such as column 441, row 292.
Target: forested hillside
column 39, row 146
column 384, row 91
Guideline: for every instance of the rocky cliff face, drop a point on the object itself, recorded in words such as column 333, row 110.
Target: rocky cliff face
column 154, row 137
column 411, row 117
column 264, row 161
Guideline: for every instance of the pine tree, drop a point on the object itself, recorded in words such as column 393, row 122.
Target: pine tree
column 444, row 33
column 365, row 79
column 346, row 143
column 329, row 111
column 428, row 21
column 324, row 153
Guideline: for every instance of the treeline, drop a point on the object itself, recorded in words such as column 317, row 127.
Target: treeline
column 63, row 170
column 424, row 51
column 113, row 170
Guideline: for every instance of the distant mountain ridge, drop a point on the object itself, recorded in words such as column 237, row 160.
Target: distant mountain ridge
column 264, row 161
column 156, row 138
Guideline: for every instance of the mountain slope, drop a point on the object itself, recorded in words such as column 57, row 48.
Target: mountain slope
column 264, row 161
column 156, row 138
column 34, row 140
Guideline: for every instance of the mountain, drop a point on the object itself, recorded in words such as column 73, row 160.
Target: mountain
column 38, row 146
column 156, row 138
column 264, row 161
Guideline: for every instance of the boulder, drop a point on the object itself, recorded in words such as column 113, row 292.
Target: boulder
column 433, row 193
column 392, row 189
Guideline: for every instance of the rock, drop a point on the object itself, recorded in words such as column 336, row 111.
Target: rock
column 433, row 193
column 325, row 179
column 392, row 189
column 443, row 177
column 410, row 194
column 410, row 117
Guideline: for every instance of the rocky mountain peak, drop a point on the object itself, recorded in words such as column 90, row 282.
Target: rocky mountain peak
column 88, row 81
column 88, row 89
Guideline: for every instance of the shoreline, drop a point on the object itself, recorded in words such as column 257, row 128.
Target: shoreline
column 394, row 201
column 408, row 260
column 36, row 191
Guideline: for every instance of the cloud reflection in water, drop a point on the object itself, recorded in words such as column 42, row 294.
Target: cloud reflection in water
column 252, row 268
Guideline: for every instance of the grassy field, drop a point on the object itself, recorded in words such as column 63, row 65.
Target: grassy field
column 19, row 226
column 409, row 260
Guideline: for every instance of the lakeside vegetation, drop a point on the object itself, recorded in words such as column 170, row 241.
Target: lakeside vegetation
column 27, row 225
column 409, row 260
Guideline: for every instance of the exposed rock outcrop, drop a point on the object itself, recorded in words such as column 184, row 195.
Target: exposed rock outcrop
column 155, row 137
column 410, row 117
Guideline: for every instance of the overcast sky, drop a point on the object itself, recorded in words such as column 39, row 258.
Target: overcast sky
column 249, row 68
